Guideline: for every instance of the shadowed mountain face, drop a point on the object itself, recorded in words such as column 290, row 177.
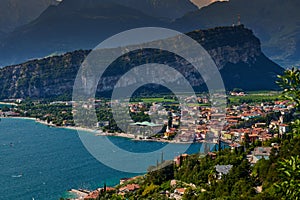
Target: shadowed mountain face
column 275, row 22
column 2, row 34
column 73, row 24
column 14, row 13
column 82, row 24
column 235, row 50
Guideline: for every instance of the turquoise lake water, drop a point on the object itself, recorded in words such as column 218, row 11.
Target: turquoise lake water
column 41, row 162
column 5, row 105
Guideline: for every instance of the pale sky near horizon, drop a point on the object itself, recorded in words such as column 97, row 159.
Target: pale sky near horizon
column 201, row 3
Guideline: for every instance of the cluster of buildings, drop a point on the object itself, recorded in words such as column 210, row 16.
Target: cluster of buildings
column 194, row 123
column 126, row 187
column 189, row 123
column 252, row 122
column 9, row 114
column 240, row 121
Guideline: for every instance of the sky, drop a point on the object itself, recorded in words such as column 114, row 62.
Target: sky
column 201, row 3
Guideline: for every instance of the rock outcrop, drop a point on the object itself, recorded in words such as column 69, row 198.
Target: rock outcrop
column 235, row 50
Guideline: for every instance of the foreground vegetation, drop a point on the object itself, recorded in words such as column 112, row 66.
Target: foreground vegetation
column 275, row 178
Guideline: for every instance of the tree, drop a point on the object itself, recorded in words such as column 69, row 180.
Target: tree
column 247, row 140
column 296, row 127
column 290, row 83
column 289, row 186
column 238, row 90
column 5, row 109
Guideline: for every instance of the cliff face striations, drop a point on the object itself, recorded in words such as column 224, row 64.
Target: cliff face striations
column 235, row 50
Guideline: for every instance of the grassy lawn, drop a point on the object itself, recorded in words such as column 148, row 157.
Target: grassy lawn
column 251, row 97
column 157, row 100
column 256, row 97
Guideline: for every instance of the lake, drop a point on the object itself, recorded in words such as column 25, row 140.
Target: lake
column 41, row 162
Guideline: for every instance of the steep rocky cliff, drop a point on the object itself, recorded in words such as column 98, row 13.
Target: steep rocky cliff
column 275, row 23
column 235, row 50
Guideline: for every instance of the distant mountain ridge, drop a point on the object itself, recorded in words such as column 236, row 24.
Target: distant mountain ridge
column 73, row 24
column 235, row 50
column 82, row 24
column 14, row 13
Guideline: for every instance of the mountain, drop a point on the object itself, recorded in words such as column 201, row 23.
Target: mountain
column 166, row 9
column 275, row 22
column 82, row 24
column 2, row 34
column 14, row 13
column 235, row 50
column 71, row 25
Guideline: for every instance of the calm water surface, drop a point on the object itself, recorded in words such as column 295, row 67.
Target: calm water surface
column 40, row 162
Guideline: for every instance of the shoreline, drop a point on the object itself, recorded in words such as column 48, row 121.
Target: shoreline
column 6, row 103
column 101, row 133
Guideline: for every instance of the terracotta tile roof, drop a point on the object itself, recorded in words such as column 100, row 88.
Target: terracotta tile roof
column 110, row 189
column 180, row 190
column 129, row 187
column 93, row 195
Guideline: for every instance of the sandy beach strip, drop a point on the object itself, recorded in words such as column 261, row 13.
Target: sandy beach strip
column 98, row 132
column 9, row 104
column 27, row 118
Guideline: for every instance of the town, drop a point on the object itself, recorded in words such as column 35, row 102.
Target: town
column 250, row 120
column 165, row 119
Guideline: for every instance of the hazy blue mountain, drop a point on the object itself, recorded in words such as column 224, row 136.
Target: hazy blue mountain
column 71, row 25
column 275, row 22
column 82, row 24
column 2, row 34
column 14, row 13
